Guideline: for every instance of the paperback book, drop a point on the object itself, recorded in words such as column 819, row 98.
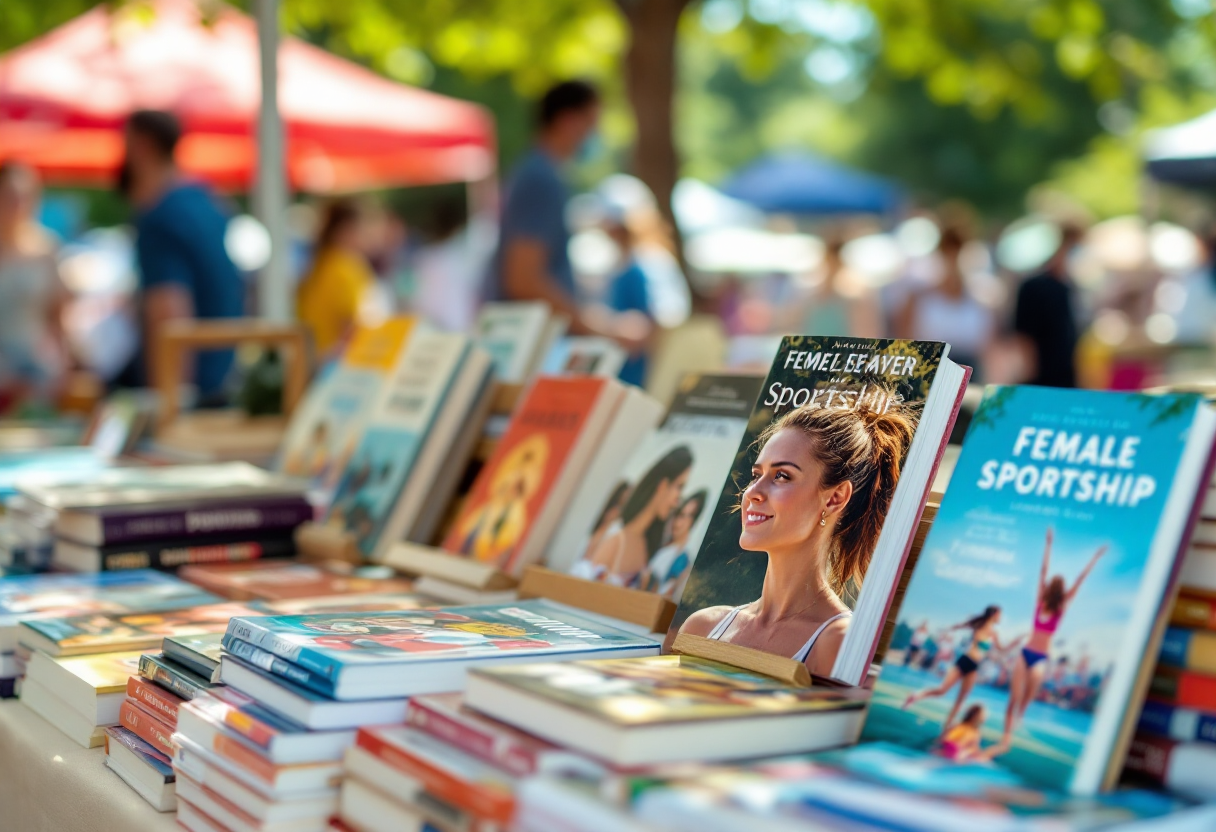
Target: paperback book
column 280, row 581
column 142, row 767
column 78, row 635
column 1045, row 581
column 827, row 485
column 199, row 653
column 516, row 335
column 649, row 531
column 168, row 555
column 173, row 677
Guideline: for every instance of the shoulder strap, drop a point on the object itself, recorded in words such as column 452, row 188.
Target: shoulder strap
column 802, row 654
column 720, row 630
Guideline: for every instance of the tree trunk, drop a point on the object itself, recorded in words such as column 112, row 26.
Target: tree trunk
column 650, row 76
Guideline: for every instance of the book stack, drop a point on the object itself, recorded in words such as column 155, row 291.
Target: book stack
column 150, row 715
column 167, row 517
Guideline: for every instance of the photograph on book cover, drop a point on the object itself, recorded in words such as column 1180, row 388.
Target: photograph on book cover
column 372, row 482
column 1012, row 625
column 806, row 499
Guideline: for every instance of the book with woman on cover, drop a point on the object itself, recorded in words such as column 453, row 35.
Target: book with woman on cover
column 812, row 528
column 1045, row 583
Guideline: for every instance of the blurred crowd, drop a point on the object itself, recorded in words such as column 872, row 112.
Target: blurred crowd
column 1054, row 303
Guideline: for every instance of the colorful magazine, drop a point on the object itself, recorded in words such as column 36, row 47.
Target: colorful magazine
column 1044, row 583
column 83, row 634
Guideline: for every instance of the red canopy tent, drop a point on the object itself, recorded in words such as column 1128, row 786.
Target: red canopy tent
column 64, row 97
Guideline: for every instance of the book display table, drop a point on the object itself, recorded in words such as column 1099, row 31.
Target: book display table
column 50, row 784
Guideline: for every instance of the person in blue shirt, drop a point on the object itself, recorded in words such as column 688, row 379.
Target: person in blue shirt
column 532, row 261
column 184, row 269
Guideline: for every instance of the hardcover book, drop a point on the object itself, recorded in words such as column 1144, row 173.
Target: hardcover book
column 518, row 497
column 820, row 508
column 198, row 653
column 168, row 555
column 649, row 531
column 1044, row 583
column 379, row 655
column 79, row 635
column 278, row 581
column 173, row 677
column 37, row 597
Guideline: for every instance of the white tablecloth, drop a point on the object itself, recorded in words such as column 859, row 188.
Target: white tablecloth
column 50, row 784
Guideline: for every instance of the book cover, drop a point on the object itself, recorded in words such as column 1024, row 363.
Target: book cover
column 515, row 483
column 103, row 672
column 1194, row 612
column 650, row 530
column 276, row 666
column 173, row 677
column 372, row 481
column 33, row 597
column 109, row 527
column 154, row 699
column 512, row 333
column 584, row 355
column 82, row 634
column 325, row 644
column 277, row 581
column 155, row 759
column 807, row 498
column 667, row 689
column 154, row 485
column 1037, row 595
column 327, row 426
column 199, row 653
column 145, row 726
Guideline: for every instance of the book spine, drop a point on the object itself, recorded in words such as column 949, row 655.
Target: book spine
column 1197, row 613
column 174, row 556
column 488, row 804
column 1189, row 649
column 1179, row 687
column 1185, row 724
column 145, row 726
column 490, row 747
column 271, row 663
column 1150, row 756
column 235, row 518
column 157, row 700
column 257, row 635
column 157, row 673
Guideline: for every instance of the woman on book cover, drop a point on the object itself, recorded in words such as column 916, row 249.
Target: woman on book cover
column 491, row 532
column 624, row 553
column 1050, row 604
column 820, row 490
column 668, row 569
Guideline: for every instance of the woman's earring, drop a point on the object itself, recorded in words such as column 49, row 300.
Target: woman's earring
column 823, row 519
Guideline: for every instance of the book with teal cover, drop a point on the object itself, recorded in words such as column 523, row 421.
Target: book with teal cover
column 1041, row 587
column 327, row 645
column 112, row 593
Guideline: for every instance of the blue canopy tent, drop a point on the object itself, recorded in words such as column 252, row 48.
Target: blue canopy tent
column 1184, row 154
column 803, row 184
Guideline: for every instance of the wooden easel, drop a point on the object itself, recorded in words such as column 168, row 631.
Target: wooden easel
column 757, row 661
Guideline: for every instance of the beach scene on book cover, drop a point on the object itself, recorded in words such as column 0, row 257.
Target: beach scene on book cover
column 797, row 521
column 453, row 632
column 649, row 531
column 1019, row 612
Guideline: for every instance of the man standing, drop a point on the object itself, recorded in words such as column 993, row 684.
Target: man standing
column 184, row 269
column 1045, row 320
column 532, row 262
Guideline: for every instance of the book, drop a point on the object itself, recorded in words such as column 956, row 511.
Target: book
column 1161, row 719
column 267, row 811
column 830, row 478
column 1025, row 572
column 354, row 602
column 142, row 767
column 444, row 716
column 328, row 424
column 370, row 809
column 167, row 555
column 1189, row 650
column 516, row 336
column 164, row 484
column 76, row 726
column 665, row 709
column 92, row 685
column 83, row 634
column 380, row 797
column 35, row 597
column 155, row 700
column 272, row 664
column 236, row 759
column 279, row 580
column 668, row 513
column 279, row 740
column 408, row 652
column 224, row 815
column 107, row 527
column 1182, row 687
column 199, row 653
column 519, row 496
column 173, row 677
column 1194, row 612
column 145, row 726
column 381, row 491
column 584, row 355
column 1182, row 767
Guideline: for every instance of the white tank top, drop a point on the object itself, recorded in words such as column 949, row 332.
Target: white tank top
column 717, row 632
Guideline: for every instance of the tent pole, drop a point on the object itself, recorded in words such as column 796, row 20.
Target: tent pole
column 270, row 185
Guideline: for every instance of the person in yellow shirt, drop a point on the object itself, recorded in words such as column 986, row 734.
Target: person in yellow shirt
column 329, row 298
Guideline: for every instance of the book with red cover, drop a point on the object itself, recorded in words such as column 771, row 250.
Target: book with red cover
column 144, row 725
column 1183, row 687
column 263, row 580
column 154, row 699
column 444, row 716
column 518, row 497
column 443, row 771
